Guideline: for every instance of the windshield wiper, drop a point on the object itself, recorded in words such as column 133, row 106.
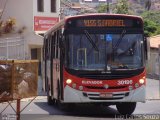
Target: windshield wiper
column 91, row 40
column 119, row 40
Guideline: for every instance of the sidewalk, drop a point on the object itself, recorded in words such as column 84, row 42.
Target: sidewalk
column 153, row 89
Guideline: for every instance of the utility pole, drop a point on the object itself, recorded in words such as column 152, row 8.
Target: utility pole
column 108, row 6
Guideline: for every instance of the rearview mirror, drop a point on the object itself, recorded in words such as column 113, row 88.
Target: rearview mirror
column 147, row 48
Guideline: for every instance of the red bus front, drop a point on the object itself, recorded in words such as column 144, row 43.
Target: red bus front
column 97, row 89
column 104, row 59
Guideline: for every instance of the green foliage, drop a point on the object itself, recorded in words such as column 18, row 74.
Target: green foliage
column 122, row 7
column 151, row 23
column 102, row 8
column 152, row 15
column 150, row 28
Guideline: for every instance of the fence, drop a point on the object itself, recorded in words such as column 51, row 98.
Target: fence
column 12, row 48
column 18, row 79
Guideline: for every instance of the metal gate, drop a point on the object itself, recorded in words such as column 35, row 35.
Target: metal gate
column 12, row 48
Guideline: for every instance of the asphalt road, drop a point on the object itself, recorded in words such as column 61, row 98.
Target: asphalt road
column 39, row 110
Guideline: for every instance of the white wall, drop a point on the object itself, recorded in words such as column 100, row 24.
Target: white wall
column 24, row 11
column 47, row 9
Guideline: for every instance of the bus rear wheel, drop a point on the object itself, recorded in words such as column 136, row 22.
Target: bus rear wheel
column 50, row 101
column 126, row 108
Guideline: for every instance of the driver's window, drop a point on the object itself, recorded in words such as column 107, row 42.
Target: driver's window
column 82, row 57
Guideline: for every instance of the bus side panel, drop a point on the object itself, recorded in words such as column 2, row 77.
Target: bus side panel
column 43, row 76
column 54, row 78
column 58, row 79
column 48, row 78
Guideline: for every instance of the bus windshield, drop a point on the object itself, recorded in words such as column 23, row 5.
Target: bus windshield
column 104, row 51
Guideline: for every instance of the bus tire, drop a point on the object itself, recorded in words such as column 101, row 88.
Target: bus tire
column 50, row 101
column 126, row 108
column 58, row 91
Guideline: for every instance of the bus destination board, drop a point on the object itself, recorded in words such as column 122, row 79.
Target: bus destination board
column 104, row 23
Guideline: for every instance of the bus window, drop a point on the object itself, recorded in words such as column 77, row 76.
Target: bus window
column 58, row 41
column 56, row 45
column 44, row 48
column 53, row 45
column 50, row 46
column 81, row 57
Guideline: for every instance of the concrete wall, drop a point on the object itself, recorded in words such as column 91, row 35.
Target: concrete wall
column 153, row 65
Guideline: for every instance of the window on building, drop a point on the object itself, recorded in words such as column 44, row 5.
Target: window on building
column 40, row 5
column 53, row 5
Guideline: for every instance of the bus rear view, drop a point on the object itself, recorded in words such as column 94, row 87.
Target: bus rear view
column 103, row 61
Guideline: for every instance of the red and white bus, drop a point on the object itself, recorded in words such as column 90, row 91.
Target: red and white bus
column 97, row 58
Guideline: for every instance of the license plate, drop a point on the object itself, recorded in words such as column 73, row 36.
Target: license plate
column 106, row 95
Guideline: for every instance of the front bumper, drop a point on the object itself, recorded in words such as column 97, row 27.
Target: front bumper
column 75, row 96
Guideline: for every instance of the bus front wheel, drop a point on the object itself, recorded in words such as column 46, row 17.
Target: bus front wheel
column 126, row 108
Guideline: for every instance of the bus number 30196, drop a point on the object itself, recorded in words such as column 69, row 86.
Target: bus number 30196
column 124, row 82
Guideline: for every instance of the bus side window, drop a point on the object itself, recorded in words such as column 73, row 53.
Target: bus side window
column 53, row 45
column 44, row 48
column 57, row 44
column 50, row 46
column 47, row 49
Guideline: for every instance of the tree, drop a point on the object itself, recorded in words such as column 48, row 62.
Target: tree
column 7, row 26
column 102, row 8
column 122, row 7
column 150, row 28
column 152, row 15
column 148, row 4
column 151, row 22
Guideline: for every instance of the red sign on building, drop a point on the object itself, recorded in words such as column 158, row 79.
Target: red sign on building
column 44, row 23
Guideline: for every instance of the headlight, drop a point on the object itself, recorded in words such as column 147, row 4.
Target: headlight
column 141, row 81
column 68, row 81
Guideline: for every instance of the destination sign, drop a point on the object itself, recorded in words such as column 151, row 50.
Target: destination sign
column 104, row 23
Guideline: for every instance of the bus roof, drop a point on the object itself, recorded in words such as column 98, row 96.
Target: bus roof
column 103, row 14
column 63, row 21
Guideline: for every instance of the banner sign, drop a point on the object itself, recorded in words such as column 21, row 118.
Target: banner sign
column 44, row 23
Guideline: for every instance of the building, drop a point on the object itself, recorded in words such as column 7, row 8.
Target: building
column 34, row 17
column 153, row 68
